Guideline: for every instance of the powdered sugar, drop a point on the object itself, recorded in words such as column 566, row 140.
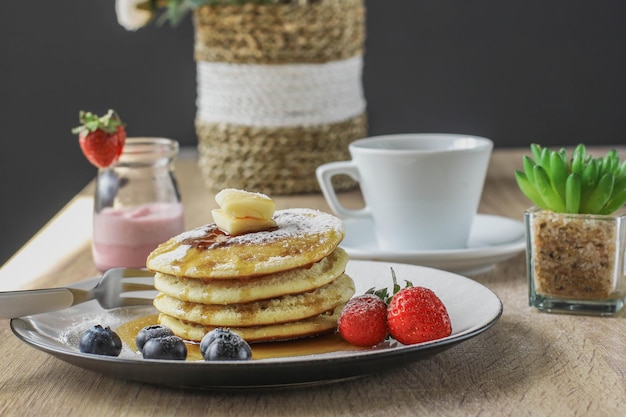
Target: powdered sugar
column 176, row 255
column 290, row 223
column 301, row 236
column 293, row 223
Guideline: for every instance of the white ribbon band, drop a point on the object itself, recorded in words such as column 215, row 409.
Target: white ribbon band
column 280, row 95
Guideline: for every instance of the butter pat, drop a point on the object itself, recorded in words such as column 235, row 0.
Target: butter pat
column 243, row 212
column 244, row 204
column 238, row 225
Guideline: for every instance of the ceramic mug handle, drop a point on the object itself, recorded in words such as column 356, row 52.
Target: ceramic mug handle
column 325, row 174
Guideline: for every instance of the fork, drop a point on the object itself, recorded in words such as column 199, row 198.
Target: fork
column 108, row 291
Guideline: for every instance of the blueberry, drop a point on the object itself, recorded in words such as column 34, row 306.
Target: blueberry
column 165, row 347
column 222, row 345
column 100, row 341
column 150, row 332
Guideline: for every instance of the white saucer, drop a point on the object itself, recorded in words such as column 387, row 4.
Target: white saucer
column 492, row 239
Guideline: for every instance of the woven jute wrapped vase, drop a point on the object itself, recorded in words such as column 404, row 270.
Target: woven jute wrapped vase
column 279, row 92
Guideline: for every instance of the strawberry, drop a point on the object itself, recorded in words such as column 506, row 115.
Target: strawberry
column 416, row 314
column 410, row 314
column 363, row 320
column 101, row 138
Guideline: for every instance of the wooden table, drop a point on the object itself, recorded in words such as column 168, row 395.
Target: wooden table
column 528, row 364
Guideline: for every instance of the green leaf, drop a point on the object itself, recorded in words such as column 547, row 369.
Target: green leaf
column 529, row 190
column 618, row 197
column 536, row 151
column 558, row 173
column 92, row 122
column 578, row 163
column 544, row 160
column 545, row 189
column 384, row 293
column 605, row 166
column 613, row 156
column 621, row 170
column 529, row 165
column 572, row 193
column 615, row 203
column 580, row 151
column 599, row 196
column 589, row 179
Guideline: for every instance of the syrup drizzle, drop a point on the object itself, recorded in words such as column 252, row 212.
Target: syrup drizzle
column 327, row 343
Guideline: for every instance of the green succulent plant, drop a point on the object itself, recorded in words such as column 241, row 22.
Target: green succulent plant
column 581, row 184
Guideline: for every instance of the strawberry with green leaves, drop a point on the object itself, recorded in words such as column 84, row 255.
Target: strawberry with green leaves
column 410, row 314
column 416, row 315
column 101, row 138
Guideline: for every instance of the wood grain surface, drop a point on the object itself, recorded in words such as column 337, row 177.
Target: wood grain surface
column 528, row 364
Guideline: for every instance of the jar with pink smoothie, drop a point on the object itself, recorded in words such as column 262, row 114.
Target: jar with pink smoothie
column 137, row 204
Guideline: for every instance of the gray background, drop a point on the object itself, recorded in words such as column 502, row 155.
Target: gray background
column 517, row 71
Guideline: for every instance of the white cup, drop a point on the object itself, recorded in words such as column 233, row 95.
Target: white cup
column 421, row 191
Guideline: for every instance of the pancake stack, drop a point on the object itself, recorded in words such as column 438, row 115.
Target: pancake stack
column 282, row 283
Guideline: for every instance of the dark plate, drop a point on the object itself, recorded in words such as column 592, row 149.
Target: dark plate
column 472, row 307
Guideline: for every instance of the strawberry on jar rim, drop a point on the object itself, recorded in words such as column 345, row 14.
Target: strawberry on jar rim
column 101, row 138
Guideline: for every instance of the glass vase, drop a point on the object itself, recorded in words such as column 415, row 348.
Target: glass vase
column 137, row 204
column 575, row 262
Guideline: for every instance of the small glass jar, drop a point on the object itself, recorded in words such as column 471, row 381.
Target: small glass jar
column 575, row 262
column 137, row 204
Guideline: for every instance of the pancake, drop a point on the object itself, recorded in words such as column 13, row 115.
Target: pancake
column 313, row 326
column 237, row 290
column 263, row 312
column 302, row 237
